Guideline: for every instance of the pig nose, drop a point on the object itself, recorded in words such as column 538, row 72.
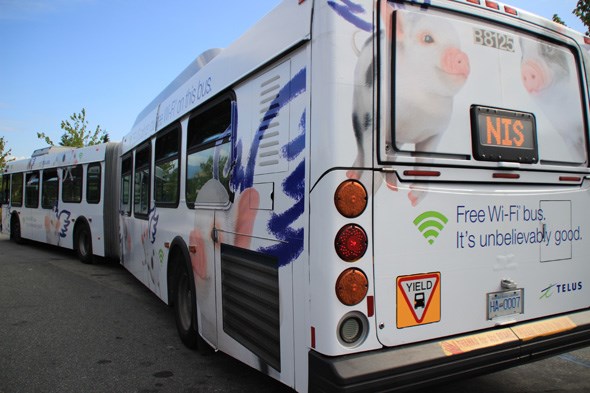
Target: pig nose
column 455, row 62
column 533, row 76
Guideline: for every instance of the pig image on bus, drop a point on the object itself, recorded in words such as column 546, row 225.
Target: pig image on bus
column 370, row 195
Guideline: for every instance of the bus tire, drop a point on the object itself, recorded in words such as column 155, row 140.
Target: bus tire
column 185, row 309
column 15, row 232
column 83, row 244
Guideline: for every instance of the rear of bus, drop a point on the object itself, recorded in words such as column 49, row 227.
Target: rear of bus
column 472, row 252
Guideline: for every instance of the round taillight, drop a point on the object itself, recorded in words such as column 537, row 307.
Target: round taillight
column 351, row 242
column 352, row 286
column 350, row 198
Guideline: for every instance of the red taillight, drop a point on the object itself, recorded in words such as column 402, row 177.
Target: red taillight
column 351, row 243
column 350, row 198
column 352, row 286
column 491, row 4
column 422, row 173
column 506, row 176
column 570, row 178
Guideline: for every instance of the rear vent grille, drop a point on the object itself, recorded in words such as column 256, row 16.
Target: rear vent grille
column 272, row 121
column 269, row 130
column 250, row 302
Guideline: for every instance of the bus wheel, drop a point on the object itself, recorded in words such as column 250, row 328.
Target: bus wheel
column 15, row 234
column 84, row 244
column 185, row 308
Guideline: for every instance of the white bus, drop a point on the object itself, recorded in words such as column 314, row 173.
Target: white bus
column 370, row 195
column 65, row 197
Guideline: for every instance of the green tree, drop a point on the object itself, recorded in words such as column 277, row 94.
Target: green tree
column 77, row 133
column 582, row 11
column 557, row 19
column 3, row 154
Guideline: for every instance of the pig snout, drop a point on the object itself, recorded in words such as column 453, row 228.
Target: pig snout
column 534, row 77
column 455, row 62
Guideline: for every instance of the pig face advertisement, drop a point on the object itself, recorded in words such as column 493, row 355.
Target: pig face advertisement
column 444, row 67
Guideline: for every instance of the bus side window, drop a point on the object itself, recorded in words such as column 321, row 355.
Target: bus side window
column 126, row 167
column 16, row 190
column 93, row 178
column 141, row 188
column 32, row 190
column 209, row 155
column 5, row 189
column 167, row 176
column 72, row 184
column 49, row 189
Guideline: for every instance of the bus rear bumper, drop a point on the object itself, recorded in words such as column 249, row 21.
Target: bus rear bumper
column 417, row 366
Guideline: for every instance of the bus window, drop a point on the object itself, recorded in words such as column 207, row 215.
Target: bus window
column 32, row 190
column 16, row 190
column 93, row 183
column 49, row 189
column 209, row 151
column 167, row 169
column 141, row 196
column 72, row 184
column 126, row 185
column 5, row 189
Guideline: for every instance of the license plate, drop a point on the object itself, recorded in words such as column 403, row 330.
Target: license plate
column 503, row 135
column 505, row 303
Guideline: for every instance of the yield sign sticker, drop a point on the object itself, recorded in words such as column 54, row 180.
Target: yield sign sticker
column 418, row 299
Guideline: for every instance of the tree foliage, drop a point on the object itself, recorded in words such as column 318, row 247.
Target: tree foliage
column 77, row 132
column 557, row 19
column 582, row 11
column 3, row 154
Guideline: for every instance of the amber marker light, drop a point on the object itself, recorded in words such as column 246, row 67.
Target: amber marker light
column 351, row 243
column 352, row 286
column 350, row 198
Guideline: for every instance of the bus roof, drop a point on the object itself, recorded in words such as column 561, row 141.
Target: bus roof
column 54, row 157
column 199, row 82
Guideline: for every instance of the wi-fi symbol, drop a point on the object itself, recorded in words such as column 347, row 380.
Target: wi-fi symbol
column 430, row 224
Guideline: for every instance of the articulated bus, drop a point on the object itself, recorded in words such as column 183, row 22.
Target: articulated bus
column 65, row 197
column 370, row 195
column 364, row 195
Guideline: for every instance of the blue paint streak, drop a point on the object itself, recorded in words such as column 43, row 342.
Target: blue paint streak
column 244, row 176
column 294, row 185
column 297, row 145
column 279, row 225
column 348, row 11
column 66, row 222
column 153, row 224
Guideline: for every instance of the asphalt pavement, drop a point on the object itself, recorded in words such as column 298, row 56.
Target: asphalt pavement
column 70, row 327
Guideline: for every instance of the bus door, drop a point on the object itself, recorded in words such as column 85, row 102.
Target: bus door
column 208, row 171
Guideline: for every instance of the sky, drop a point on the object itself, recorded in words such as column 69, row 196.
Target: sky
column 112, row 57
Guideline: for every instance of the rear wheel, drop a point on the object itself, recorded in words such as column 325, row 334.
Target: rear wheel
column 15, row 233
column 84, row 244
column 185, row 309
